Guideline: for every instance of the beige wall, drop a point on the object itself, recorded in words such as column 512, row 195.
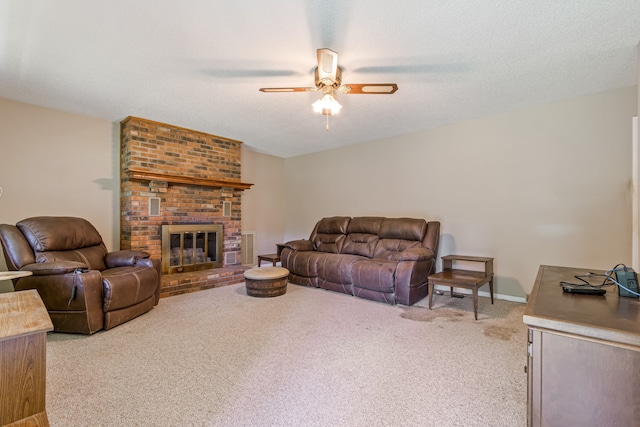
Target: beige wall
column 545, row 185
column 263, row 205
column 54, row 163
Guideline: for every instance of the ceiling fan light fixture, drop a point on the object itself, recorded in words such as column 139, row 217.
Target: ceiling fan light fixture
column 327, row 105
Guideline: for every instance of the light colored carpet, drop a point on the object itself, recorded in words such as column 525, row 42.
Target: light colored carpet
column 307, row 358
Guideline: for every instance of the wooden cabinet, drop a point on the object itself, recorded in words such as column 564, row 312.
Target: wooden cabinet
column 583, row 354
column 24, row 322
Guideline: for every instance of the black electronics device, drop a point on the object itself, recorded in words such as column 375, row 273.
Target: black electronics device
column 584, row 290
column 627, row 278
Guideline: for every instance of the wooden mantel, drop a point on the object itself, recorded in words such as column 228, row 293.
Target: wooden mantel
column 142, row 175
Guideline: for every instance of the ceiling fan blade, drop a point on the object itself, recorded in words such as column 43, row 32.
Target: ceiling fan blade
column 229, row 73
column 327, row 66
column 453, row 67
column 288, row 89
column 369, row 88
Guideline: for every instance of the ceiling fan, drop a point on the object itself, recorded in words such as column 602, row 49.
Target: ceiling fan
column 328, row 79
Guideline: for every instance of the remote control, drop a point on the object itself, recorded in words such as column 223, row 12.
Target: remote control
column 585, row 290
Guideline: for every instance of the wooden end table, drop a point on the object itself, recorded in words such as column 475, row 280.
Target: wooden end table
column 458, row 278
column 24, row 323
column 273, row 258
column 10, row 275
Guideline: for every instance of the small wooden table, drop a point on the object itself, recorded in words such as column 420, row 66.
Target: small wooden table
column 10, row 275
column 468, row 279
column 24, row 323
column 273, row 258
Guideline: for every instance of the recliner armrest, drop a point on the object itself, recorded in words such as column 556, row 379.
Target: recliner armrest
column 416, row 254
column 300, row 245
column 54, row 268
column 73, row 300
column 124, row 258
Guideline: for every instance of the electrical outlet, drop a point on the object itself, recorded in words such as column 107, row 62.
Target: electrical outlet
column 1, row 191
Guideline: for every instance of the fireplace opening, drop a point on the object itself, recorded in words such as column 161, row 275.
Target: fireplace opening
column 191, row 247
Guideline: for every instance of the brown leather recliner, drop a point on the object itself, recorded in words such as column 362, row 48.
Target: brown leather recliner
column 84, row 287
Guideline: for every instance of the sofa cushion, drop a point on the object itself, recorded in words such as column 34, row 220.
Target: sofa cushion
column 403, row 228
column 330, row 243
column 398, row 235
column 360, row 244
column 391, row 249
column 362, row 236
column 336, row 268
column 365, row 224
column 377, row 275
column 329, row 233
column 92, row 256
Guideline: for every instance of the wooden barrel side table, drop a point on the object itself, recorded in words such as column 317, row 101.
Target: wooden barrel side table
column 266, row 281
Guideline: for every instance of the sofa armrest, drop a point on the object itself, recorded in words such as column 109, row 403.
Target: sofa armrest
column 300, row 245
column 416, row 254
column 125, row 258
column 54, row 268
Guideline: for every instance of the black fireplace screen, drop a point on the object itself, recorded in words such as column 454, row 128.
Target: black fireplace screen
column 191, row 247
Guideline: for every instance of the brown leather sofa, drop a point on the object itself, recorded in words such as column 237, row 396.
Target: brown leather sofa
column 381, row 259
column 84, row 287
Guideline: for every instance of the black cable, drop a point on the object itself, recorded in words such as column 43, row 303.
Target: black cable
column 73, row 295
column 607, row 281
column 585, row 283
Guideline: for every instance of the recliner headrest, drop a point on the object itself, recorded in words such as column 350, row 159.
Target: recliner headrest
column 403, row 228
column 365, row 224
column 333, row 225
column 48, row 233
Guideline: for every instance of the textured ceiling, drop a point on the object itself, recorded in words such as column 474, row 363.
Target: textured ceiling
column 199, row 63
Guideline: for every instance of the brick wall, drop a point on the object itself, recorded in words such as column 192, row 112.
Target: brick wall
column 169, row 150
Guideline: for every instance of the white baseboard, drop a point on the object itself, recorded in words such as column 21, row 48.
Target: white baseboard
column 483, row 294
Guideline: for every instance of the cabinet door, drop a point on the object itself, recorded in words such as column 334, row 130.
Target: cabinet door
column 583, row 382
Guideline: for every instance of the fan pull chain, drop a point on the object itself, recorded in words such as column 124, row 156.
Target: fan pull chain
column 327, row 127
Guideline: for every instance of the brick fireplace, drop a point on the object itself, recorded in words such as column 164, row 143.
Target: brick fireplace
column 175, row 176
